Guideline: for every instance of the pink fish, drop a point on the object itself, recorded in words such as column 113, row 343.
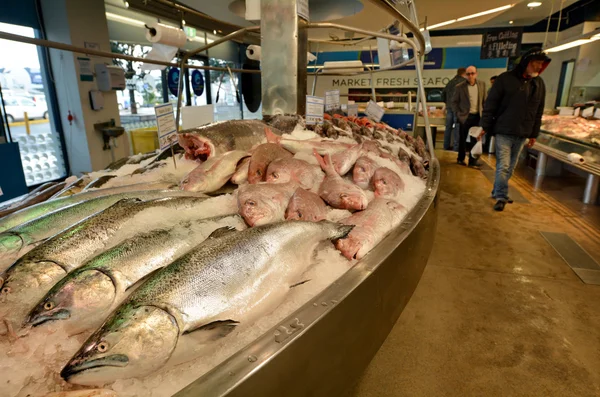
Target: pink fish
column 264, row 203
column 370, row 146
column 262, row 156
column 241, row 174
column 404, row 167
column 371, row 226
column 386, row 183
column 343, row 161
column 306, row 206
column 308, row 176
column 307, row 146
column 363, row 171
column 214, row 173
column 338, row 192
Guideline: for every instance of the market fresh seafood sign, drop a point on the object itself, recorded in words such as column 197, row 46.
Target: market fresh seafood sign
column 501, row 43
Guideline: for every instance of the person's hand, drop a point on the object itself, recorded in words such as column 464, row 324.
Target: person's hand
column 531, row 142
column 481, row 135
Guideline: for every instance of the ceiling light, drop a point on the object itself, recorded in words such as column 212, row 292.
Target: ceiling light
column 438, row 25
column 569, row 45
column 511, row 22
column 534, row 4
column 183, row 22
column 126, row 4
column 214, row 32
column 493, row 10
column 120, row 18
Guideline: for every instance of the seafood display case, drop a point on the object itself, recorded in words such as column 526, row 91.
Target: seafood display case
column 584, row 132
column 323, row 344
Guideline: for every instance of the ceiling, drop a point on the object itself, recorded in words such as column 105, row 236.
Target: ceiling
column 371, row 17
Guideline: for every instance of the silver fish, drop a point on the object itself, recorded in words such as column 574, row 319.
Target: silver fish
column 40, row 209
column 28, row 279
column 230, row 280
column 210, row 176
column 308, row 145
column 87, row 295
column 16, row 241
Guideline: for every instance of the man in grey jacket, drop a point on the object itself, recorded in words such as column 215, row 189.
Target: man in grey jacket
column 451, row 131
column 467, row 103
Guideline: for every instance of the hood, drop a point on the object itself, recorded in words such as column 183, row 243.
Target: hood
column 534, row 54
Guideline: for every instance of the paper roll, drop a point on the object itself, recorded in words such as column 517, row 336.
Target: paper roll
column 575, row 158
column 253, row 52
column 167, row 35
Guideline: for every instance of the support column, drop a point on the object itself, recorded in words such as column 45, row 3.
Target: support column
column 590, row 194
column 79, row 22
column 283, row 61
column 540, row 170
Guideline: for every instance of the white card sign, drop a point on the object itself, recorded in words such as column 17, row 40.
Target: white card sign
column 374, row 111
column 314, row 109
column 353, row 110
column 332, row 100
column 587, row 112
column 597, row 113
column 165, row 122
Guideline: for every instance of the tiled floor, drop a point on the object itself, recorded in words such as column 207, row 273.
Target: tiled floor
column 497, row 312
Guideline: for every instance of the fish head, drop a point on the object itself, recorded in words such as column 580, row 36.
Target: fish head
column 353, row 199
column 78, row 298
column 257, row 206
column 363, row 171
column 278, row 172
column 133, row 342
column 193, row 181
column 10, row 243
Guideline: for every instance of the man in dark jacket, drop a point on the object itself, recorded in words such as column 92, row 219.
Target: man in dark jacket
column 451, row 132
column 513, row 114
column 467, row 104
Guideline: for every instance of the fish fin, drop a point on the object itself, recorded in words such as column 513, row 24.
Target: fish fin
column 320, row 160
column 217, row 329
column 300, row 283
column 271, row 136
column 222, row 231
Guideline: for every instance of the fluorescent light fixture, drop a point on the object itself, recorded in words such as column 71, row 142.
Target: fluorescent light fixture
column 482, row 13
column 534, row 4
column 126, row 20
column 571, row 44
column 439, row 25
column 511, row 22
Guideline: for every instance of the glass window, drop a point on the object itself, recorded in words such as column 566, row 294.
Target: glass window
column 24, row 91
column 223, row 92
column 198, row 100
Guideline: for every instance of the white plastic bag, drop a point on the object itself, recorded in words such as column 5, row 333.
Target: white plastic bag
column 477, row 150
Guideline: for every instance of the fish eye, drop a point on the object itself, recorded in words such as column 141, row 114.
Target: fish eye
column 250, row 202
column 299, row 214
column 258, row 172
column 343, row 195
column 49, row 305
column 275, row 175
column 6, row 290
column 102, row 347
column 384, row 182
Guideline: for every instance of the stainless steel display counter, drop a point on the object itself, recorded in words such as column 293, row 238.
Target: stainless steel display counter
column 323, row 347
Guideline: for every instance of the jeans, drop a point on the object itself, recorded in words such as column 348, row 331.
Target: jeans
column 464, row 146
column 508, row 149
column 451, row 130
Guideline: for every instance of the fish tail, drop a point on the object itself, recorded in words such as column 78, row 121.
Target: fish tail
column 271, row 137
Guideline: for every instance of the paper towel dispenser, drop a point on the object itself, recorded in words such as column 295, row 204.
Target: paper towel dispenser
column 109, row 78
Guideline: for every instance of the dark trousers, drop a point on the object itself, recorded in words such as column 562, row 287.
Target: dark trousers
column 464, row 146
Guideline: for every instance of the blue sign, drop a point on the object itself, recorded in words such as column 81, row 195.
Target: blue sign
column 173, row 80
column 197, row 82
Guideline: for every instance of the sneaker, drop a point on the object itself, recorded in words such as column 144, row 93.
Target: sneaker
column 499, row 206
column 508, row 200
column 461, row 162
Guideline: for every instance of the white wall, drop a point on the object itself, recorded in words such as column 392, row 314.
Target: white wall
column 587, row 69
column 77, row 22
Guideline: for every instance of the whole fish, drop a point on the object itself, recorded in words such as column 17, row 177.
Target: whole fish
column 241, row 174
column 371, row 226
column 370, row 146
column 386, row 183
column 18, row 200
column 234, row 279
column 286, row 123
column 217, row 138
column 24, row 283
column 265, row 202
column 74, row 187
column 98, row 182
column 211, row 176
column 308, row 176
column 164, row 154
column 87, row 295
column 33, row 199
column 338, row 192
column 306, row 206
column 403, row 156
column 262, row 156
column 17, row 239
column 308, row 145
column 417, row 168
column 40, row 209
column 344, row 161
column 402, row 166
column 363, row 171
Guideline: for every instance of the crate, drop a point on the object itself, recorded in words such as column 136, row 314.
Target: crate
column 144, row 140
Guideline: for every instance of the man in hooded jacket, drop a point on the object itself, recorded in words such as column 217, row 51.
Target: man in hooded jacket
column 513, row 114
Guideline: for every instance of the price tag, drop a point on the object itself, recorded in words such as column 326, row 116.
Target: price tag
column 165, row 122
column 353, row 110
column 565, row 111
column 314, row 109
column 332, row 100
column 587, row 112
column 597, row 113
column 374, row 111
column 576, row 112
